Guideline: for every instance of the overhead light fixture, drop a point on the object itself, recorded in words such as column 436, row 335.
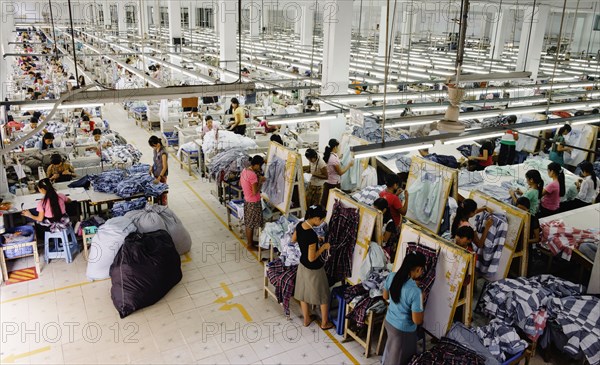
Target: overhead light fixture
column 302, row 118
column 473, row 138
column 386, row 151
column 50, row 106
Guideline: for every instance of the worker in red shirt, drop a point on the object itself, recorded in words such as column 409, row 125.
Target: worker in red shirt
column 391, row 192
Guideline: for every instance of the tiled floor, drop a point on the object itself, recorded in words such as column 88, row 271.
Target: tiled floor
column 63, row 318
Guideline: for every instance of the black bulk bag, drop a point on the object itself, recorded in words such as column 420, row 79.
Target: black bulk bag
column 146, row 267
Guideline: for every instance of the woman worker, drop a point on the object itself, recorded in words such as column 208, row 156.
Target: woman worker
column 312, row 286
column 405, row 310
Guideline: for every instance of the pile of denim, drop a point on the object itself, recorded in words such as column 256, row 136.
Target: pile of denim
column 120, row 208
column 107, row 181
column 139, row 168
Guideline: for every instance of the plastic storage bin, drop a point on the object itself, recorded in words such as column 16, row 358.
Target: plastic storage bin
column 15, row 236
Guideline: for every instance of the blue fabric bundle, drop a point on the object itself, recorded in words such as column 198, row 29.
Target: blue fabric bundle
column 139, row 168
column 107, row 181
column 120, row 208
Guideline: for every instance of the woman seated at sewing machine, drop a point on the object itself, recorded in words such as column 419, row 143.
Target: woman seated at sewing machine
column 99, row 140
column 60, row 170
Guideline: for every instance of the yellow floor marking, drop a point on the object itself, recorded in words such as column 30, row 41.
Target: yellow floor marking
column 227, row 291
column 342, row 348
column 228, row 307
column 188, row 258
column 12, row 358
column 219, row 218
column 333, row 339
column 51, row 291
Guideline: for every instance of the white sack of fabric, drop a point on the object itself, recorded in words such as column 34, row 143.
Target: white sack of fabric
column 147, row 220
column 155, row 217
column 105, row 245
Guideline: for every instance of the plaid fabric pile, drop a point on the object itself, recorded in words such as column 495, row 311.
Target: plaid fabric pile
column 520, row 302
column 343, row 230
column 579, row 318
column 448, row 352
column 369, row 194
column 431, row 257
column 500, row 339
column 562, row 240
column 283, row 279
column 489, row 255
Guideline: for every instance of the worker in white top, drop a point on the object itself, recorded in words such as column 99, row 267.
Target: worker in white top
column 99, row 140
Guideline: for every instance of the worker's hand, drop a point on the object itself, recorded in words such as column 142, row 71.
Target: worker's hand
column 489, row 223
column 518, row 191
column 55, row 176
column 66, row 172
column 351, row 162
column 26, row 213
column 262, row 179
column 326, row 246
column 156, row 181
column 489, row 210
column 406, row 194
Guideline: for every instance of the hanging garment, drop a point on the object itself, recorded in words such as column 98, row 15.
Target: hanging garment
column 501, row 340
column 579, row 320
column 350, row 181
column 448, row 352
column 376, row 259
column 368, row 177
column 284, row 279
column 428, row 277
column 562, row 240
column 520, row 302
column 425, row 199
column 343, row 231
column 274, row 186
column 488, row 257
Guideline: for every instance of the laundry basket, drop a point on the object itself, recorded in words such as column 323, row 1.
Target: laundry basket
column 16, row 236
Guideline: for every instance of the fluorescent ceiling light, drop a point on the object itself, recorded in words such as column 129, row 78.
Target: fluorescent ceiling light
column 50, row 106
column 385, row 151
column 291, row 120
column 474, row 138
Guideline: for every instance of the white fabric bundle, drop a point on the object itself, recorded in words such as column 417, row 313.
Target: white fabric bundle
column 105, row 245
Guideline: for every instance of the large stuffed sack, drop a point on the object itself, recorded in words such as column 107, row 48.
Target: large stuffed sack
column 146, row 267
column 155, row 217
column 105, row 245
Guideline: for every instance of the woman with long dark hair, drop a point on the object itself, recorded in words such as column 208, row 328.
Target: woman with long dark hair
column 465, row 211
column 390, row 229
column 558, row 148
column 405, row 310
column 51, row 209
column 588, row 188
column 484, row 159
column 239, row 118
column 251, row 180
column 312, row 286
column 552, row 192
column 160, row 166
column 534, row 193
column 334, row 169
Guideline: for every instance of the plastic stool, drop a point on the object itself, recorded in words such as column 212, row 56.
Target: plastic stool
column 338, row 294
column 64, row 245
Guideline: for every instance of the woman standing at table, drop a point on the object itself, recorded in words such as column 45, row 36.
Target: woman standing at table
column 552, row 192
column 558, row 149
column 160, row 167
column 51, row 209
column 251, row 180
column 405, row 310
column 312, row 286
column 334, row 169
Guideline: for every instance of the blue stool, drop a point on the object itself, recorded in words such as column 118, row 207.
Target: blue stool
column 60, row 245
column 338, row 294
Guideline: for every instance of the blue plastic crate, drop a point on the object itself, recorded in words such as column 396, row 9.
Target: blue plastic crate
column 25, row 234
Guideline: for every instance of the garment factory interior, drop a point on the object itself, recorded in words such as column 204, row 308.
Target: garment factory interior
column 300, row 182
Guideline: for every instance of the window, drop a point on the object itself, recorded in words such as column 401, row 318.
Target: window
column 164, row 16
column 597, row 23
column 130, row 12
column 101, row 16
column 113, row 15
column 185, row 18
column 204, row 18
